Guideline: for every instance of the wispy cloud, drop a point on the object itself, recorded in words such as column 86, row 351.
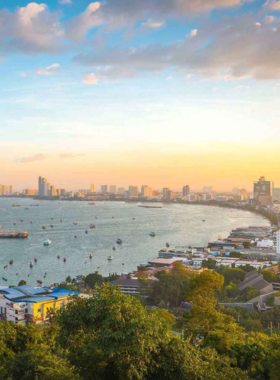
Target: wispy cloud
column 36, row 157
column 65, row 2
column 70, row 155
column 50, row 70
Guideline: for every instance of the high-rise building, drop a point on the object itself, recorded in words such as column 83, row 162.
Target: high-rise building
column 146, row 191
column 104, row 189
column 133, row 191
column 263, row 191
column 167, row 194
column 186, row 191
column 113, row 189
column 276, row 194
column 121, row 190
column 6, row 190
column 92, row 188
column 53, row 192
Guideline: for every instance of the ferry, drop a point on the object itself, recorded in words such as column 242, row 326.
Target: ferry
column 110, row 258
column 47, row 242
column 13, row 234
column 119, row 241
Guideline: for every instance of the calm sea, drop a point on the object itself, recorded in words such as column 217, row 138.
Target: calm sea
column 180, row 225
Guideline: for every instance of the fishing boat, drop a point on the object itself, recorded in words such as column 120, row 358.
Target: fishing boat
column 119, row 241
column 152, row 234
column 47, row 242
column 110, row 258
column 92, row 226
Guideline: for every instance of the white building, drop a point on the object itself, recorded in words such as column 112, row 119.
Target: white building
column 278, row 242
column 265, row 243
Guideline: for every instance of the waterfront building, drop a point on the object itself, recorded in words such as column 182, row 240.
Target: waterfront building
column 186, row 191
column 43, row 187
column 133, row 191
column 92, row 188
column 104, row 189
column 25, row 304
column 276, row 194
column 263, row 191
column 167, row 194
column 121, row 190
column 30, row 192
column 113, row 189
column 146, row 191
column 53, row 192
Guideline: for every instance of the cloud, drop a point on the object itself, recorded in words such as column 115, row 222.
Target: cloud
column 273, row 5
column 30, row 29
column 193, row 33
column 90, row 78
column 65, row 2
column 70, row 155
column 232, row 48
column 81, row 24
column 50, row 70
column 153, row 24
column 36, row 157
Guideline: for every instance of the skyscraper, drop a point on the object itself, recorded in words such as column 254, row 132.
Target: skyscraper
column 43, row 187
column 133, row 191
column 92, row 188
column 146, row 191
column 104, row 189
column 263, row 191
column 167, row 194
column 186, row 191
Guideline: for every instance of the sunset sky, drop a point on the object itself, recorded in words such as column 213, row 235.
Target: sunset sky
column 164, row 93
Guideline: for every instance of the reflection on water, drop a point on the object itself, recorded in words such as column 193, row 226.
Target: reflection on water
column 180, row 225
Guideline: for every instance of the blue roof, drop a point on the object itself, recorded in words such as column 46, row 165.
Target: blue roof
column 37, row 299
column 31, row 290
column 11, row 293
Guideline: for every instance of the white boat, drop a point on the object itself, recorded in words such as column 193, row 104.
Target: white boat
column 110, row 258
column 47, row 242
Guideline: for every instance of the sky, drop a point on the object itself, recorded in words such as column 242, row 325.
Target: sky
column 130, row 92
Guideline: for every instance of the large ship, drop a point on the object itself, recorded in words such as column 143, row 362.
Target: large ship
column 13, row 234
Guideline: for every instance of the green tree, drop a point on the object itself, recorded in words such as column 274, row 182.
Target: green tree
column 22, row 282
column 93, row 279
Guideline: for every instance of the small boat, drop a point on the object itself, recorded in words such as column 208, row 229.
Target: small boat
column 114, row 248
column 152, row 234
column 6, row 266
column 35, row 260
column 75, row 236
column 21, row 220
column 167, row 245
column 11, row 262
column 47, row 242
column 58, row 256
column 133, row 218
column 52, row 218
column 4, row 279
column 31, row 222
column 64, row 259
column 90, row 255
column 110, row 258
column 61, row 220
column 26, row 208
column 31, row 265
column 113, row 217
column 75, row 223
column 119, row 241
column 14, row 224
column 86, row 231
column 204, row 220
column 91, row 203
column 92, row 226
column 43, row 227
column 52, row 226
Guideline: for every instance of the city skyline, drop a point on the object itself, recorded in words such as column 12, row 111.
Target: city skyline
column 145, row 92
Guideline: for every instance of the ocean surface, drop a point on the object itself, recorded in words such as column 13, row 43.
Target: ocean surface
column 180, row 225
